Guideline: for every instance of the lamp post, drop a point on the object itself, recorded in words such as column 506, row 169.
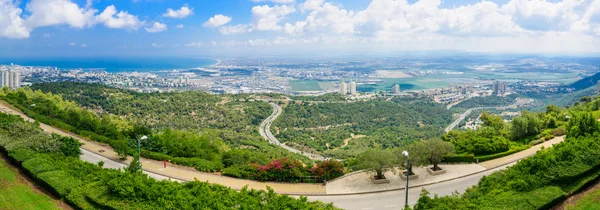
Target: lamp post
column 405, row 153
column 139, row 151
column 29, row 110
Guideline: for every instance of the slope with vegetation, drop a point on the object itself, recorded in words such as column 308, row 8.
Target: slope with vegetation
column 216, row 144
column 540, row 181
column 325, row 126
column 54, row 163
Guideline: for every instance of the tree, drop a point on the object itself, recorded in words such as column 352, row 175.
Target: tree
column 378, row 161
column 134, row 166
column 492, row 120
column 120, row 148
column 70, row 147
column 433, row 150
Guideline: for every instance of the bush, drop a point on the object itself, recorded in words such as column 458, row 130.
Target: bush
column 38, row 165
column 558, row 131
column 240, row 171
column 502, row 154
column 155, row 155
column 328, row 169
column 282, row 170
column 70, row 146
column 460, row 158
column 60, row 182
column 21, row 155
column 198, row 164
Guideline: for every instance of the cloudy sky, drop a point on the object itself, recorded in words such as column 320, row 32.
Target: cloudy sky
column 254, row 27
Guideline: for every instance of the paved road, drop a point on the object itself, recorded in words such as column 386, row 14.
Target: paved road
column 265, row 131
column 395, row 199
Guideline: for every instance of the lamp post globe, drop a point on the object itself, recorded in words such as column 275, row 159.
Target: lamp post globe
column 405, row 153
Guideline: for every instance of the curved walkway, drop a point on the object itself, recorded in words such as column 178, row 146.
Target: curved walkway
column 265, row 131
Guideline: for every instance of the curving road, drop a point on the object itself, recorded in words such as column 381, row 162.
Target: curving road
column 265, row 131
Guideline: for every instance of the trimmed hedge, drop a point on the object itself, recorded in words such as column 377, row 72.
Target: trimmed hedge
column 155, row 155
column 502, row 154
column 461, row 158
column 21, row 155
column 60, row 182
column 38, row 165
column 198, row 164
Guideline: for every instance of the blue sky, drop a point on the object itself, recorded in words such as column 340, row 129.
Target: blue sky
column 273, row 27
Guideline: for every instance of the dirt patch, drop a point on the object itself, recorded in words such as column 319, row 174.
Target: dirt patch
column 346, row 141
column 23, row 178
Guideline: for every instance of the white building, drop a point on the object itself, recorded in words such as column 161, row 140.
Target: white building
column 343, row 88
column 396, row 89
column 499, row 88
column 352, row 88
column 10, row 78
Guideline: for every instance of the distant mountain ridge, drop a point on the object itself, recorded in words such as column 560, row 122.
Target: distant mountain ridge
column 586, row 82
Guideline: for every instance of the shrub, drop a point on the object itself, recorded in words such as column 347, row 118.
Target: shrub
column 328, row 169
column 240, row 171
column 558, row 131
column 460, row 158
column 198, row 164
column 38, row 165
column 60, row 182
column 70, row 146
column 281, row 170
column 156, row 155
column 502, row 154
column 21, row 155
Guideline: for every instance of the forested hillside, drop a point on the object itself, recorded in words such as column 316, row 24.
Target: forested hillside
column 586, row 82
column 224, row 139
column 325, row 126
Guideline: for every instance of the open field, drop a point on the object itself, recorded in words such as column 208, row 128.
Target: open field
column 311, row 85
column 18, row 193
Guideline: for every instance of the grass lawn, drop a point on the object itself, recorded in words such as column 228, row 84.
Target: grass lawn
column 17, row 193
column 589, row 201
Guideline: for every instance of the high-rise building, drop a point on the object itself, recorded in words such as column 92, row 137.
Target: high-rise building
column 343, row 88
column 10, row 78
column 352, row 88
column 499, row 88
column 396, row 89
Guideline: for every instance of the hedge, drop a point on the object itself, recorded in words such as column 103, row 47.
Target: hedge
column 461, row 158
column 198, row 164
column 38, row 165
column 60, row 182
column 21, row 155
column 155, row 155
column 502, row 154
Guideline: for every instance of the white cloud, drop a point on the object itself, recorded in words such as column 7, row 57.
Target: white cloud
column 312, row 4
column 84, row 45
column 194, row 44
column 111, row 19
column 275, row 1
column 183, row 12
column 158, row 45
column 235, row 29
column 266, row 18
column 56, row 12
column 216, row 21
column 72, row 44
column 157, row 27
column 179, row 26
column 11, row 23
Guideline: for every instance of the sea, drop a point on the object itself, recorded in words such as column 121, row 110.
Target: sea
column 115, row 64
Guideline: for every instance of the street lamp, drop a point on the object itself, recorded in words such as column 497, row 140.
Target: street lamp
column 405, row 153
column 139, row 150
column 29, row 110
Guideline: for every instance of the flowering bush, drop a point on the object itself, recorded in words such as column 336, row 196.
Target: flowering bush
column 281, row 170
column 328, row 170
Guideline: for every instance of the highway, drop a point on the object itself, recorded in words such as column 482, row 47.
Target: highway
column 393, row 200
column 265, row 131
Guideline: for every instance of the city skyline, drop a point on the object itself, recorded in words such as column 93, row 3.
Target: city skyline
column 255, row 27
